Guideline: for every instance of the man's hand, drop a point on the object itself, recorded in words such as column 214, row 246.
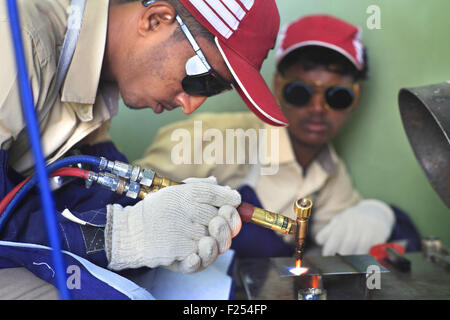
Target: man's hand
column 355, row 230
column 182, row 227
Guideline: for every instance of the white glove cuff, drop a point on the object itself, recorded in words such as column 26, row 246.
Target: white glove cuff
column 122, row 246
column 108, row 232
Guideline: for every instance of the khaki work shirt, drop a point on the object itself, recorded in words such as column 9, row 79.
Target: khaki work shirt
column 326, row 181
column 83, row 105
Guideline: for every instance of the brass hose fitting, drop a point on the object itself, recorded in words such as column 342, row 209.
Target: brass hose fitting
column 161, row 182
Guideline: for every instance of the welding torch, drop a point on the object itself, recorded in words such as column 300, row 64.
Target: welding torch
column 142, row 182
column 282, row 224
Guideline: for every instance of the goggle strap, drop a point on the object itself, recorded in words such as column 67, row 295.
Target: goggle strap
column 193, row 43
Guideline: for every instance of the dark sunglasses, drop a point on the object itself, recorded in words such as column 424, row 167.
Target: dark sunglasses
column 201, row 79
column 337, row 97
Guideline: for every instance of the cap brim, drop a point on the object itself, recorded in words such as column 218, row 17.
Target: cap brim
column 324, row 44
column 252, row 88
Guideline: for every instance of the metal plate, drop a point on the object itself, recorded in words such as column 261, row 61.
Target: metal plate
column 336, row 265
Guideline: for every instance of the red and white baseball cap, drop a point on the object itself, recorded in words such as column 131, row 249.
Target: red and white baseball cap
column 245, row 31
column 325, row 31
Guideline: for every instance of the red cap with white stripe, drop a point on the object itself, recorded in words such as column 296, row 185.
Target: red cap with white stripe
column 245, row 31
column 325, row 31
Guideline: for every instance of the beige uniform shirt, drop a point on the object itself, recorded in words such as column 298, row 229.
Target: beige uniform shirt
column 326, row 181
column 84, row 103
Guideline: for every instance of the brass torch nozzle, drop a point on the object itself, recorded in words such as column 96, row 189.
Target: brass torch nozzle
column 302, row 209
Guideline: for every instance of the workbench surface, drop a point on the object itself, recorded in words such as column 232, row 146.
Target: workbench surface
column 262, row 279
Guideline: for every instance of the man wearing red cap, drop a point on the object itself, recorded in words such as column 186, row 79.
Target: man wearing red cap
column 320, row 64
column 156, row 54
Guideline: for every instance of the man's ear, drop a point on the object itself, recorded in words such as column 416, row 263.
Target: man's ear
column 155, row 16
column 360, row 92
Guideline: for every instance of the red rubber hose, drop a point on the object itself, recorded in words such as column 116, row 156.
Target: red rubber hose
column 68, row 172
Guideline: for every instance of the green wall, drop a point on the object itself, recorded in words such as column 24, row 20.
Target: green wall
column 412, row 48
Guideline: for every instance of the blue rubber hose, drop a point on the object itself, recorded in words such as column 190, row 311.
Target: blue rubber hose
column 65, row 162
column 34, row 137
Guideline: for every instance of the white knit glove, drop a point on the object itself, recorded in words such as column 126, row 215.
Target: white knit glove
column 355, row 230
column 182, row 227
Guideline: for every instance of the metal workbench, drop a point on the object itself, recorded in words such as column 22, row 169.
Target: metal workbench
column 343, row 277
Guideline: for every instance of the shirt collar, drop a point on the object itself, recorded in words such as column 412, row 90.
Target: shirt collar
column 327, row 157
column 82, row 79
